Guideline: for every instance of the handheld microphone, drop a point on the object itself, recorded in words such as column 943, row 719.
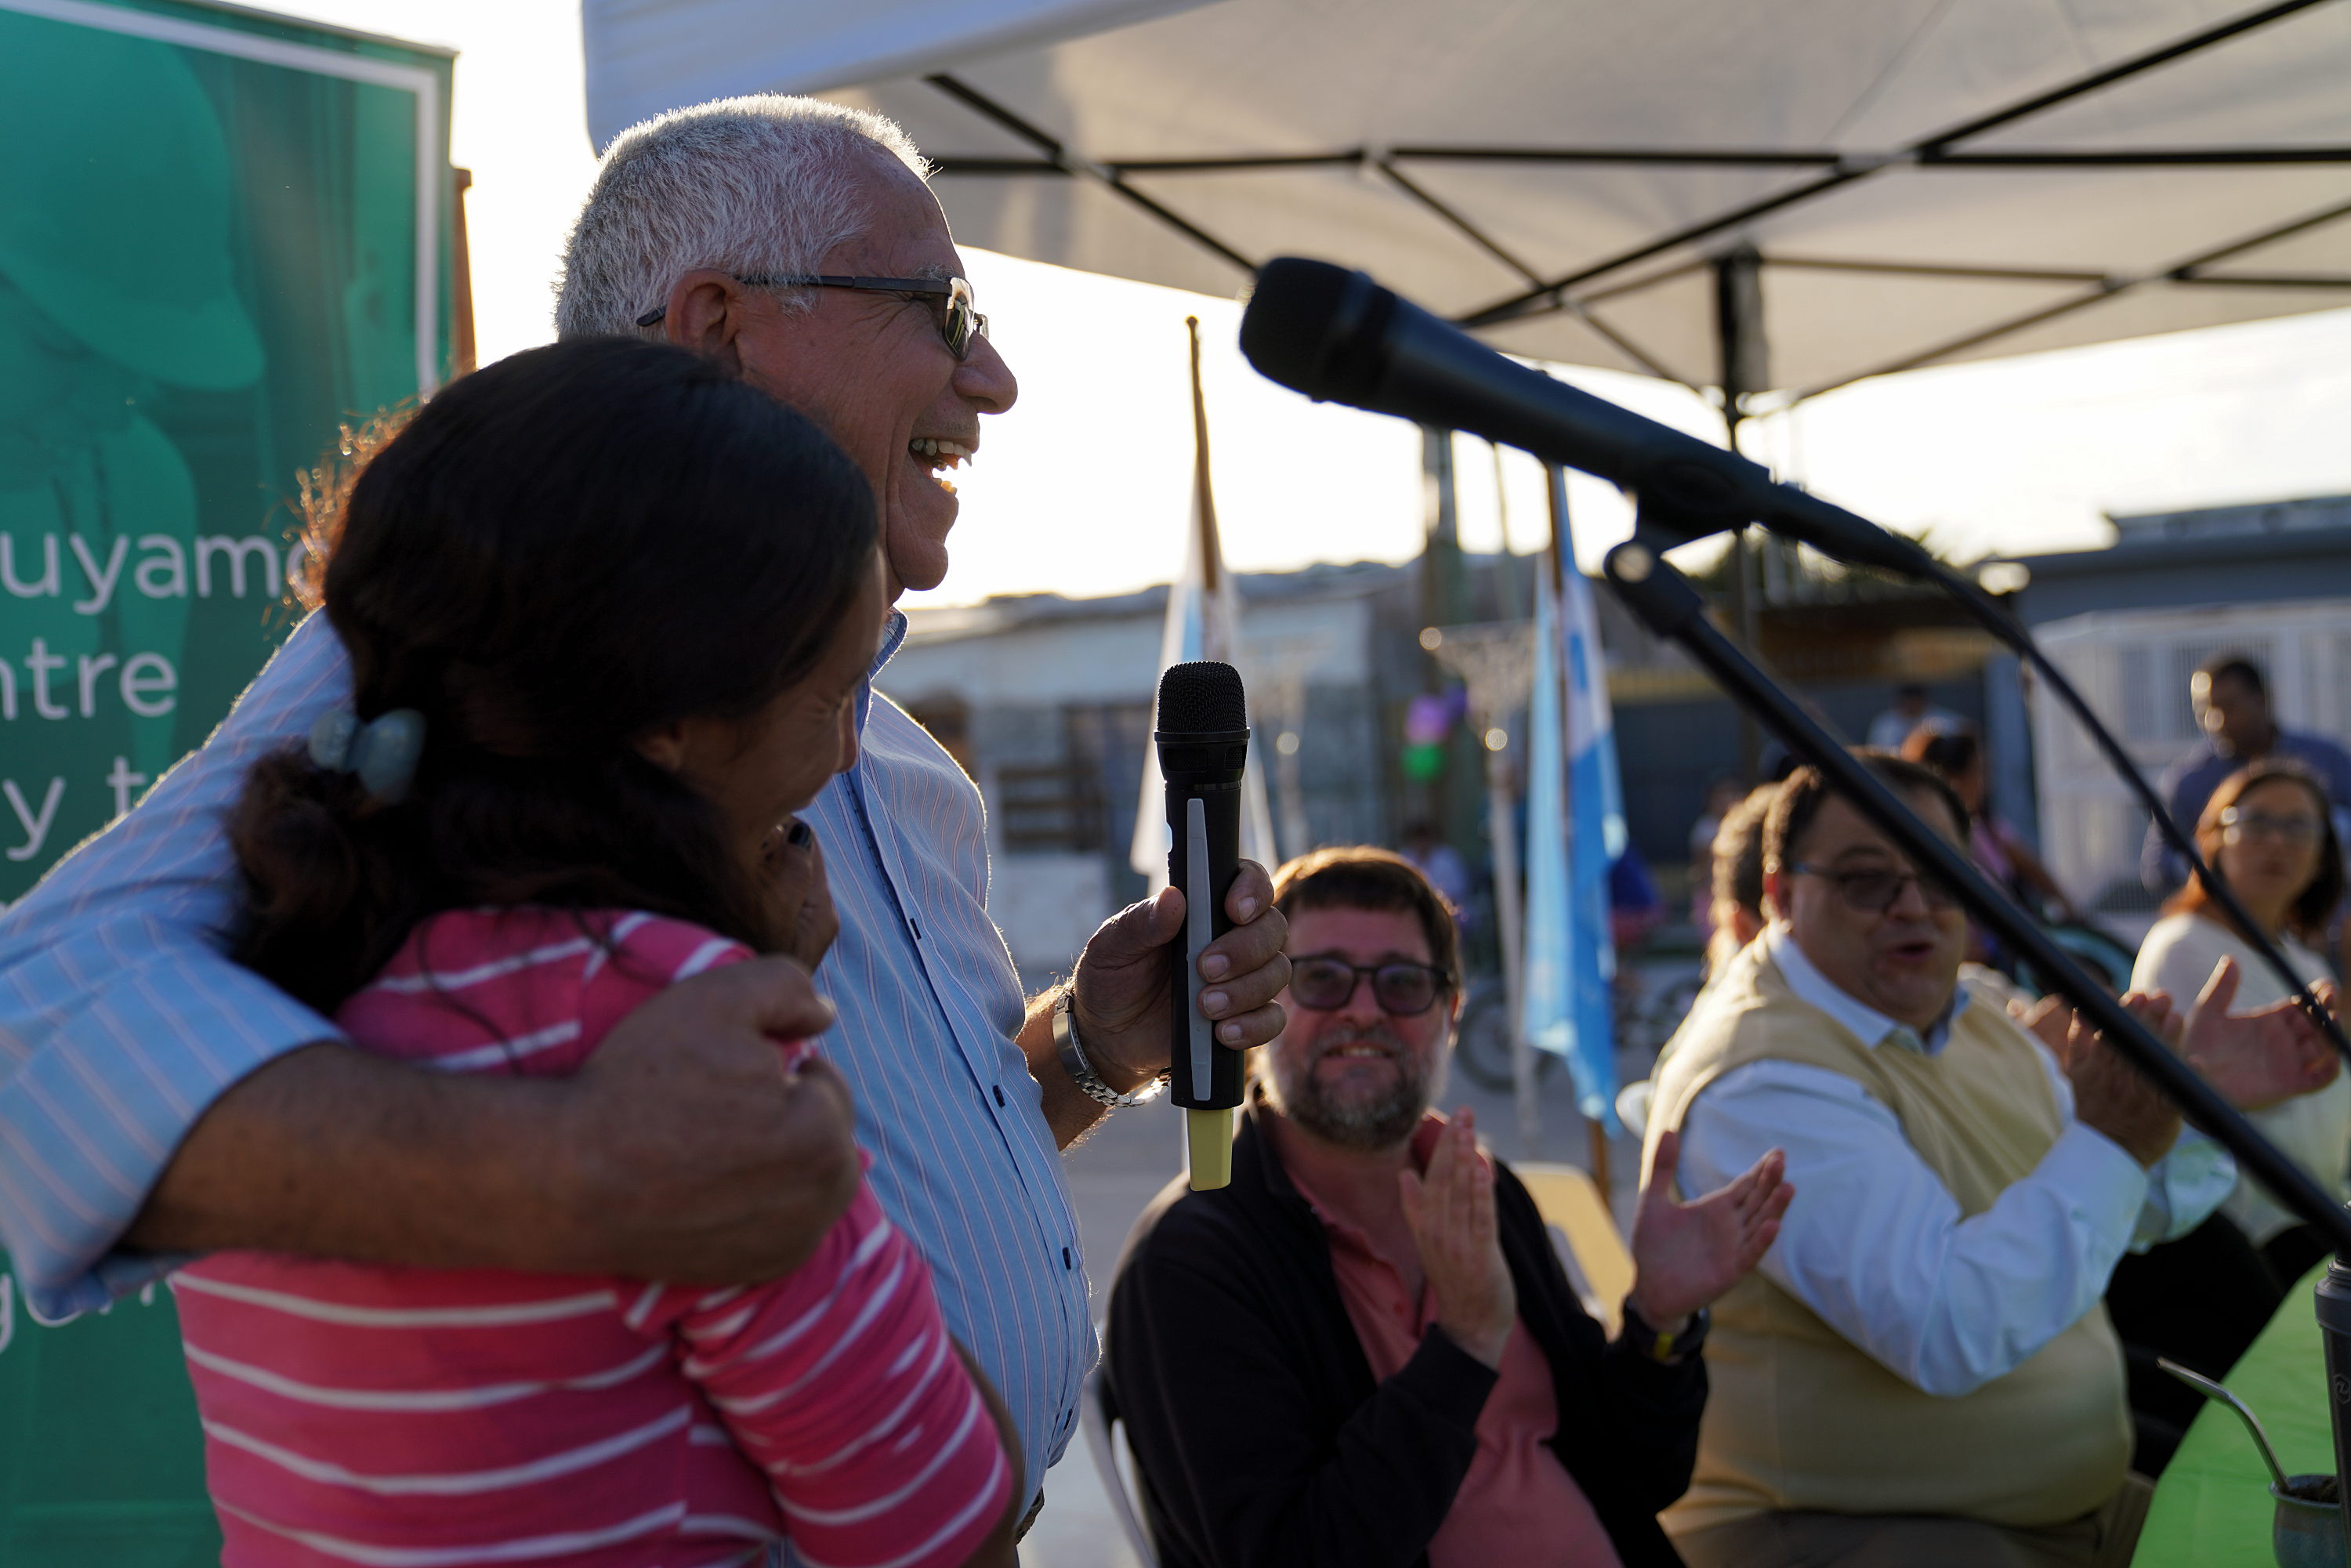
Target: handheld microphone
column 1338, row 337
column 1203, row 739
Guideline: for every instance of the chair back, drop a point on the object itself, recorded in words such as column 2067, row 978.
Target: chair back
column 1098, row 1414
column 1570, row 1199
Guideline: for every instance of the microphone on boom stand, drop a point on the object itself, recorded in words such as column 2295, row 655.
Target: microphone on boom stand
column 1203, row 740
column 2335, row 1330
column 1339, row 337
column 1336, row 335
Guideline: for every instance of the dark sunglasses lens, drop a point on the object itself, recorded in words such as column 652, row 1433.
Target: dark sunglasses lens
column 1875, row 892
column 1870, row 891
column 1321, row 984
column 1405, row 989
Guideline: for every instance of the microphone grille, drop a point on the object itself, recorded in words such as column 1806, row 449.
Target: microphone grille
column 1316, row 328
column 1201, row 697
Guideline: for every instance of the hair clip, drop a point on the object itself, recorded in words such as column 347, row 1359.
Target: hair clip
column 383, row 753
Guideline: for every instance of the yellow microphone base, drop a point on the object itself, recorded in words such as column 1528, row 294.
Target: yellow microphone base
column 1208, row 1140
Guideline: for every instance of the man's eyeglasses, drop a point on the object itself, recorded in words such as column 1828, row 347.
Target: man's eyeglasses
column 1875, row 892
column 951, row 297
column 1403, row 990
column 2237, row 826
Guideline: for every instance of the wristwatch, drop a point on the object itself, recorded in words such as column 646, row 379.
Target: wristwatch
column 1081, row 1071
column 1668, row 1349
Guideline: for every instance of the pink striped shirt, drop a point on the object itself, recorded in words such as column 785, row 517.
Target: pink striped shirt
column 428, row 1418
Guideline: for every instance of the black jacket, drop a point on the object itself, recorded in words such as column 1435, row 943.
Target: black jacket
column 1262, row 1440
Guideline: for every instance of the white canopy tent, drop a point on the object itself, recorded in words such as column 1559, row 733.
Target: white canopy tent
column 1783, row 198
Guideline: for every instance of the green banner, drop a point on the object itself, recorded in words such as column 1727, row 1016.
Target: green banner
column 100, row 1460
column 223, row 235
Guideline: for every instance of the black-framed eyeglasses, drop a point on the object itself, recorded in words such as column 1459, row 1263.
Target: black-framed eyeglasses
column 1875, row 892
column 958, row 315
column 1402, row 988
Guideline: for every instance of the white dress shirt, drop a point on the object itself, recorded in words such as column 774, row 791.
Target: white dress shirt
column 1875, row 1244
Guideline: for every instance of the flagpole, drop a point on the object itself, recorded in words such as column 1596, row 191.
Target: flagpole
column 1555, row 491
column 1212, row 555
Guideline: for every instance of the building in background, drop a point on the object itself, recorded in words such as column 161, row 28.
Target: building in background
column 2128, row 624
column 1046, row 702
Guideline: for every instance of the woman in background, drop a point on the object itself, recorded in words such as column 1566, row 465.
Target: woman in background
column 2269, row 831
column 1997, row 849
column 2199, row 1301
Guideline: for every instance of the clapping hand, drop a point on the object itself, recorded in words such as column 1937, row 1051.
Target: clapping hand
column 2110, row 1095
column 1451, row 1212
column 1686, row 1254
column 2258, row 1059
column 2255, row 1059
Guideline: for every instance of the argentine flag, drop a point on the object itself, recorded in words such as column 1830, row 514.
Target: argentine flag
column 1575, row 831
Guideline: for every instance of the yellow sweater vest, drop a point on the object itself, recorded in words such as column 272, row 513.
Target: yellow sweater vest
column 1798, row 1419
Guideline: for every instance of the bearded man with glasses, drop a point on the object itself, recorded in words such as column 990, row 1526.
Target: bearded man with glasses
column 1363, row 1350
column 1921, row 1371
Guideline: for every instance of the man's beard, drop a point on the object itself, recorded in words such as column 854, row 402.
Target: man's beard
column 1366, row 1126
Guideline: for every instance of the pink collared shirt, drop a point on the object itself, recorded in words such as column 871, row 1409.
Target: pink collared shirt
column 1518, row 1504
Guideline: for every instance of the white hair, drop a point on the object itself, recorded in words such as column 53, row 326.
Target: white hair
column 746, row 186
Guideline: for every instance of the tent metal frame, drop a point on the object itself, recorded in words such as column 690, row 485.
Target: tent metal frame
column 1574, row 292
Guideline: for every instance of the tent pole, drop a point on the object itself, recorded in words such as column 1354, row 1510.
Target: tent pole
column 1740, row 352
column 1511, row 928
column 1451, row 798
column 461, row 281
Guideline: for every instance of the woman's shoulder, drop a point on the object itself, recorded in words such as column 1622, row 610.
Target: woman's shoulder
column 458, row 949
column 555, row 978
column 2177, row 943
column 2187, row 929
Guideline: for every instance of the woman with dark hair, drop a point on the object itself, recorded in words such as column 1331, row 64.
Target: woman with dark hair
column 2269, row 831
column 608, row 609
column 1995, row 846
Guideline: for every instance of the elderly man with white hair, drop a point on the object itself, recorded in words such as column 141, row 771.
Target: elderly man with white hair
column 156, row 1099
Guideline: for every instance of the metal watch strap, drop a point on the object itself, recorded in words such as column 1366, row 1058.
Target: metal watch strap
column 1666, row 1348
column 1081, row 1071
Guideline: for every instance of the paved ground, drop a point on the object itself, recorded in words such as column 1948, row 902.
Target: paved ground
column 1117, row 1171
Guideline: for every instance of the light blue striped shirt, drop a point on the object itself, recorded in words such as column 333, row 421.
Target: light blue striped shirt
column 121, row 1019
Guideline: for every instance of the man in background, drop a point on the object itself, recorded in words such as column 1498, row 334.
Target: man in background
column 1912, row 710
column 1363, row 1352
column 2231, row 701
column 1734, row 887
column 1921, row 1370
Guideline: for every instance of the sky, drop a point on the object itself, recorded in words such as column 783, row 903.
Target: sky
column 1083, row 488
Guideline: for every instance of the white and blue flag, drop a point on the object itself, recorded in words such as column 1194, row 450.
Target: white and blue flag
column 1575, row 831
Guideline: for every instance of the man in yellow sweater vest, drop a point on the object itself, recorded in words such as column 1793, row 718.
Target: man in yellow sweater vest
column 1921, row 1371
